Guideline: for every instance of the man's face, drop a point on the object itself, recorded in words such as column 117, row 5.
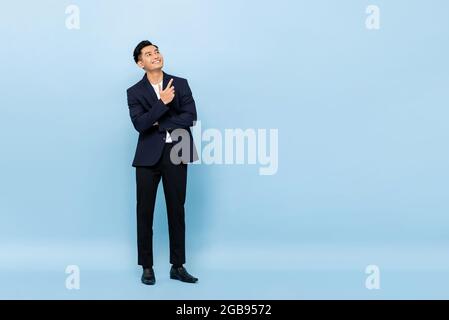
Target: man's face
column 150, row 59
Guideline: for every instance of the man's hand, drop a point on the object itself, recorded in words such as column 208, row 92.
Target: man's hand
column 168, row 93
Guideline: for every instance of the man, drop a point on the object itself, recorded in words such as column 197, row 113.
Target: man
column 162, row 110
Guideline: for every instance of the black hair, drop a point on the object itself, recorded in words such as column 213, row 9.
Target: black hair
column 139, row 47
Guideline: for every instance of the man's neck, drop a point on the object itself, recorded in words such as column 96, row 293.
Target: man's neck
column 155, row 76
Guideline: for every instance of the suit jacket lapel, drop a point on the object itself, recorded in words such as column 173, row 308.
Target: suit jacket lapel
column 165, row 80
column 148, row 88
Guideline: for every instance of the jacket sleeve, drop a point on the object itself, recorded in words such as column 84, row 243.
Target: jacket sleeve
column 142, row 118
column 186, row 114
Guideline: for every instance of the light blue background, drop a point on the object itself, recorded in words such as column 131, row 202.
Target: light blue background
column 363, row 158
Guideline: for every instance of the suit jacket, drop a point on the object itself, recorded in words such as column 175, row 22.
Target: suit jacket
column 145, row 109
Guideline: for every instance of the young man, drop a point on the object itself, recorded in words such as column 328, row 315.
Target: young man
column 162, row 110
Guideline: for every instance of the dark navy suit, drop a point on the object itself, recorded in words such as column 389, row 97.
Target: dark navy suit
column 153, row 163
column 145, row 109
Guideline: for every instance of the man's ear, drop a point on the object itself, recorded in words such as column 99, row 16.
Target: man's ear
column 140, row 64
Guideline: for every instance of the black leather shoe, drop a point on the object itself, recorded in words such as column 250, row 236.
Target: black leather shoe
column 148, row 276
column 180, row 273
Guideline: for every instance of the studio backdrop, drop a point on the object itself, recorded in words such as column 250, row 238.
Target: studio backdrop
column 322, row 134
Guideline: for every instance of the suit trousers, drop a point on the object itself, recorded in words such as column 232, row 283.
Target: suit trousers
column 174, row 181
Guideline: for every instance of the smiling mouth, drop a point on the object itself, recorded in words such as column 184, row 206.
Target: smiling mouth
column 156, row 61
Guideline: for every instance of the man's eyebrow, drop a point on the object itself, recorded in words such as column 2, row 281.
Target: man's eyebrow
column 156, row 50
